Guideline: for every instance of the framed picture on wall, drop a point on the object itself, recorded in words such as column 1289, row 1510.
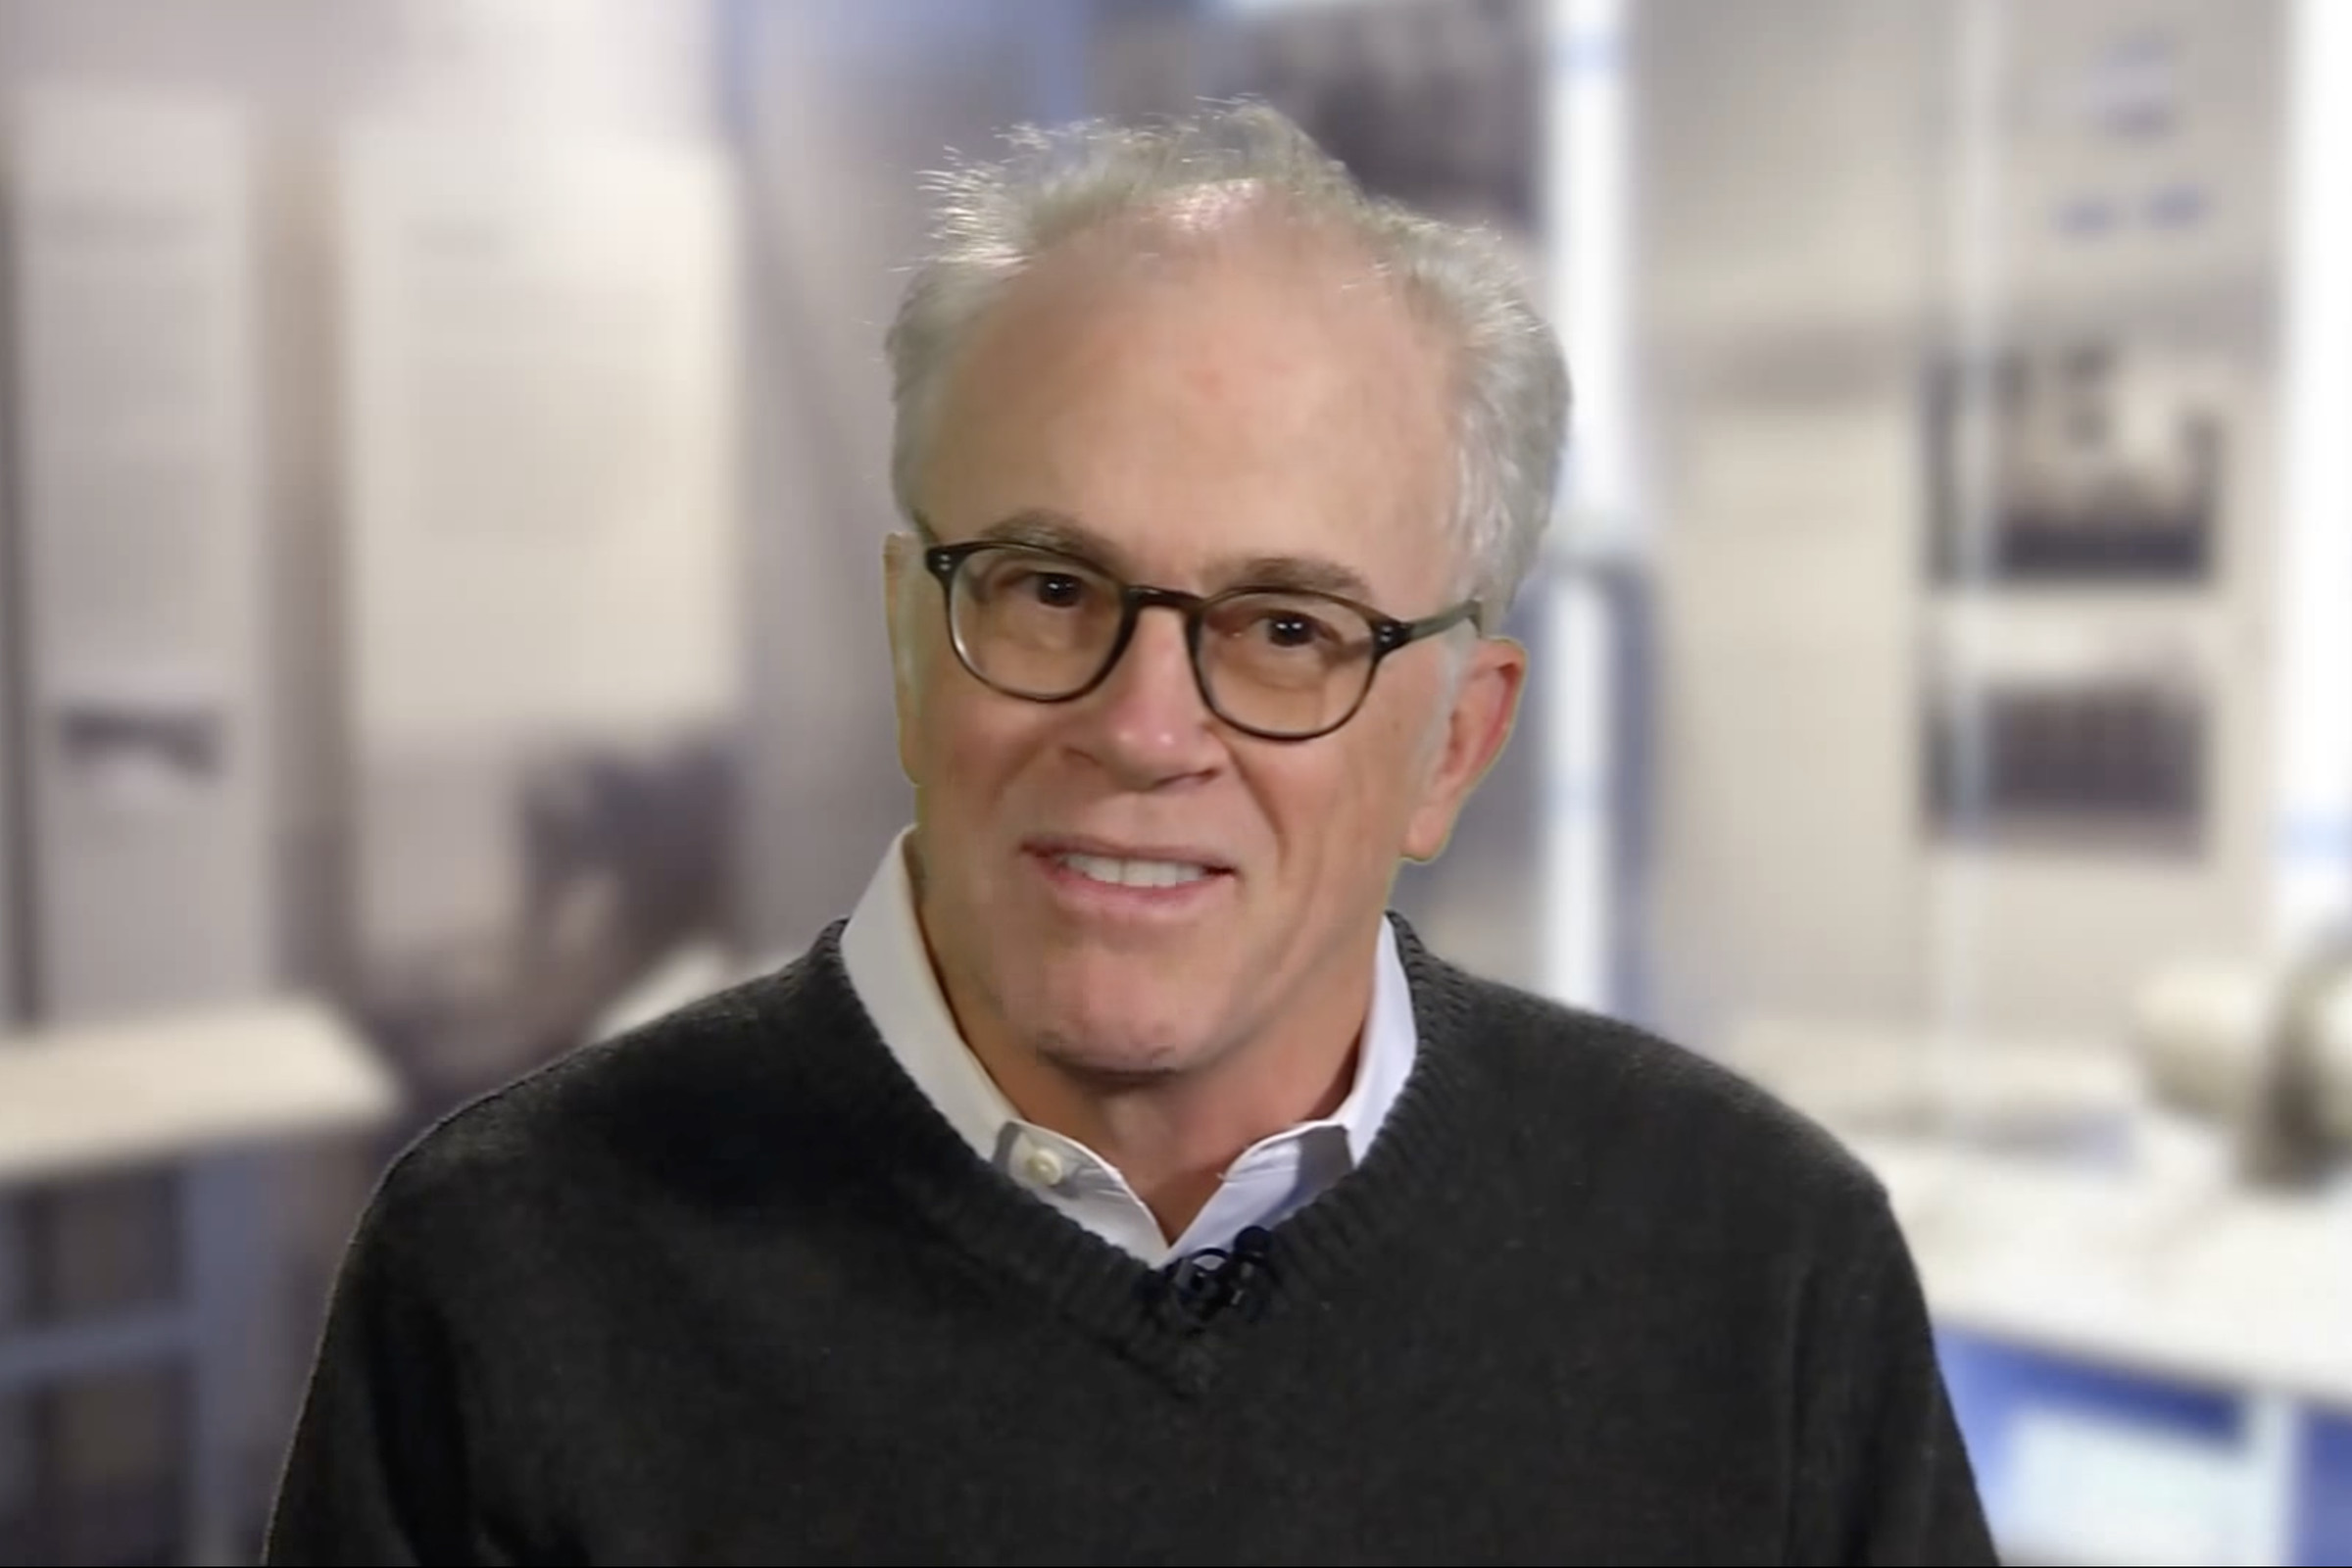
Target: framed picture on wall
column 2085, row 463
column 2101, row 750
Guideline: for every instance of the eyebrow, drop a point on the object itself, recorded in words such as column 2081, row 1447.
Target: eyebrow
column 1042, row 528
column 1306, row 573
column 1045, row 530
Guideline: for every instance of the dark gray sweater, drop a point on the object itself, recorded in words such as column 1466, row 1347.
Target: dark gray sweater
column 729, row 1290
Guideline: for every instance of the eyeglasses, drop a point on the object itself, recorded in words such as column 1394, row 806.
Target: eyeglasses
column 1281, row 663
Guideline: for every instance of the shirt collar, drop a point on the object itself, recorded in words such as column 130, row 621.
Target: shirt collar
column 889, row 966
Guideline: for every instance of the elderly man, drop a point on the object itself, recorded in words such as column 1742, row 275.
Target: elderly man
column 1122, row 1183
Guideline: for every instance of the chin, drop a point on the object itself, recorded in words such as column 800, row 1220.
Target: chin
column 1135, row 1031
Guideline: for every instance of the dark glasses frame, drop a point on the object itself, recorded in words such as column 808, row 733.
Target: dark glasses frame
column 1389, row 633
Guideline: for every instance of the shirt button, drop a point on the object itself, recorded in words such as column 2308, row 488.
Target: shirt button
column 1043, row 1167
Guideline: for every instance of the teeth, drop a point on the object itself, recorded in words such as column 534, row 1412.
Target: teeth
column 1134, row 874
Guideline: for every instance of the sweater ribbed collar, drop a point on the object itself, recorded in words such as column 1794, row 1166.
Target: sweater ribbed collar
column 1096, row 1286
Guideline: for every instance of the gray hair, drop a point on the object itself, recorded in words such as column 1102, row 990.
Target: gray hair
column 990, row 221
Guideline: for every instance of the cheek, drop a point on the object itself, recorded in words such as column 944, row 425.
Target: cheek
column 974, row 744
column 1393, row 765
column 1344, row 794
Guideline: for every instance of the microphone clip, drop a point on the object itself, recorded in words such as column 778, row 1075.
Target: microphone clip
column 1201, row 1287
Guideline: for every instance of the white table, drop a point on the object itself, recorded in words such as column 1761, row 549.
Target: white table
column 206, row 1091
column 2188, row 1282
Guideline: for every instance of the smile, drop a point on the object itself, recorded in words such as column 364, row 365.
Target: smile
column 1115, row 872
column 1097, row 880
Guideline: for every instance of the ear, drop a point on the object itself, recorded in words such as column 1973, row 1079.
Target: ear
column 906, row 653
column 1486, row 704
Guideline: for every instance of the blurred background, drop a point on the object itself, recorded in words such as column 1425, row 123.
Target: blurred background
column 442, row 480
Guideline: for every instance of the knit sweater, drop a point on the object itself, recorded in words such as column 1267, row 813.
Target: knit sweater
column 728, row 1290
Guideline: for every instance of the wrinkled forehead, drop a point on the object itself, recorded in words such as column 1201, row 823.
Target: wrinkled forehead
column 1204, row 376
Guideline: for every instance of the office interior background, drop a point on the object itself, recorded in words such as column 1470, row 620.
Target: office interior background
column 442, row 484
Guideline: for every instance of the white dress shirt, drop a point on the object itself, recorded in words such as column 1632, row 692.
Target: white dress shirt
column 890, row 967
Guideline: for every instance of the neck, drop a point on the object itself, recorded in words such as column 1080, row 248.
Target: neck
column 1173, row 1136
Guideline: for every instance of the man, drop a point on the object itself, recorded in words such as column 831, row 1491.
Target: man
column 1119, row 1183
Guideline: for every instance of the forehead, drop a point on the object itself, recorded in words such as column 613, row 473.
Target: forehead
column 1197, row 402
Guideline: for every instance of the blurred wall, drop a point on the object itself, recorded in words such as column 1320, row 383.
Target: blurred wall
column 104, row 1459
column 1809, row 235
column 302, row 69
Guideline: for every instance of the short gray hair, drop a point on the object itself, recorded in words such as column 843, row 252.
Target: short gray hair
column 991, row 220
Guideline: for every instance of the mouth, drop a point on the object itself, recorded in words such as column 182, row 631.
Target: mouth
column 1163, row 869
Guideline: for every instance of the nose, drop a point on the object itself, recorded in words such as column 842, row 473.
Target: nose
column 1146, row 725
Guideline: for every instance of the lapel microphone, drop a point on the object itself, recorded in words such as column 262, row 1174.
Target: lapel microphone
column 1202, row 1287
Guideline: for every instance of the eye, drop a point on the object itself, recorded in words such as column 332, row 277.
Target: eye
column 1057, row 590
column 1040, row 587
column 1293, row 628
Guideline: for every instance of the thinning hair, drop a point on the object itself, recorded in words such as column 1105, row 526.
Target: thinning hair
column 990, row 221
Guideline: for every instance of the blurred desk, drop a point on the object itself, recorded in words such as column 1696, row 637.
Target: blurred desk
column 2182, row 1292
column 2213, row 1285
column 2147, row 1356
column 2025, row 1170
column 204, row 1090
column 82, row 1100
